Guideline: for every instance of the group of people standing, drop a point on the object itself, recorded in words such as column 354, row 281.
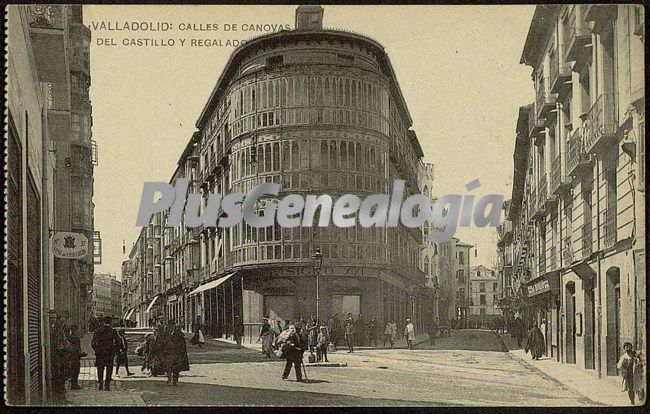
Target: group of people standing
column 66, row 358
column 165, row 352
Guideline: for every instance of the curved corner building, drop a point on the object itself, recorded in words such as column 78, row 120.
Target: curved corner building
column 321, row 112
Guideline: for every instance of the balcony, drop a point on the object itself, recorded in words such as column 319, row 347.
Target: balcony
column 577, row 159
column 535, row 125
column 600, row 125
column 545, row 101
column 587, row 248
column 577, row 33
column 567, row 251
column 560, row 74
column 559, row 182
column 599, row 14
column 610, row 227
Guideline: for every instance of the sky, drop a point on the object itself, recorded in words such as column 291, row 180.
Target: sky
column 458, row 68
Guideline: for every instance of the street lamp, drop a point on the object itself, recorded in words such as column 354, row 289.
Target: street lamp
column 317, row 257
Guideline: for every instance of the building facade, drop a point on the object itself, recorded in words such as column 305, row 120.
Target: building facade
column 453, row 264
column 321, row 112
column 107, row 296
column 483, row 289
column 578, row 203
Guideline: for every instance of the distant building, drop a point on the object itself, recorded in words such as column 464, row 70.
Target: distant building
column 483, row 289
column 107, row 296
column 452, row 270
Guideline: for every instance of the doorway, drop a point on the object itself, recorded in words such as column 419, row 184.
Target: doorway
column 613, row 295
column 570, row 296
column 590, row 324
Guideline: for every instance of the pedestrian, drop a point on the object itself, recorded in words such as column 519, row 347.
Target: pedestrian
column 349, row 332
column 158, row 351
column 372, row 331
column 518, row 330
column 334, row 329
column 267, row 335
column 121, row 356
column 409, row 333
column 61, row 350
column 146, row 352
column 292, row 351
column 323, row 342
column 311, row 329
column 105, row 344
column 542, row 328
column 75, row 356
column 197, row 339
column 630, row 367
column 238, row 331
column 433, row 331
column 177, row 360
column 389, row 334
column 360, row 329
column 535, row 342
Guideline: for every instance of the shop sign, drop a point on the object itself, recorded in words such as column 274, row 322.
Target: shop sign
column 538, row 287
column 311, row 271
column 67, row 245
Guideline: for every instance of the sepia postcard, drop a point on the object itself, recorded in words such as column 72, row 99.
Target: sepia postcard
column 337, row 205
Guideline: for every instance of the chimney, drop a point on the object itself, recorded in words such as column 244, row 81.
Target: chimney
column 309, row 17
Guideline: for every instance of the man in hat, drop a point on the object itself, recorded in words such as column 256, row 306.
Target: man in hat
column 409, row 333
column 322, row 343
column 238, row 331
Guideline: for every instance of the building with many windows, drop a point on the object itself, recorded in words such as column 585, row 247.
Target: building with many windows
column 483, row 289
column 107, row 296
column 319, row 111
column 452, row 268
column 578, row 202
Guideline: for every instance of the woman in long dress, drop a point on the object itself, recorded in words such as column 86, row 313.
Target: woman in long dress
column 198, row 339
column 535, row 342
column 177, row 360
column 267, row 336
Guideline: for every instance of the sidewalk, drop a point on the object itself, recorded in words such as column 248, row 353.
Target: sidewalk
column 605, row 390
column 89, row 395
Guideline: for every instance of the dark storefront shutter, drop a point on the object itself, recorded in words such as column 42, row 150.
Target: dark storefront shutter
column 34, row 293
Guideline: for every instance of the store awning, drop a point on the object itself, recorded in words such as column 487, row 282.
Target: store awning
column 124, row 314
column 153, row 302
column 128, row 316
column 212, row 284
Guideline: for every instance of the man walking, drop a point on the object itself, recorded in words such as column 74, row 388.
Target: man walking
column 389, row 334
column 349, row 332
column 372, row 332
column 104, row 343
column 238, row 331
column 61, row 350
column 409, row 333
column 292, row 351
column 75, row 357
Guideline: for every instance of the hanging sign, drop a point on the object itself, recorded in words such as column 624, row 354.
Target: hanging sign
column 67, row 245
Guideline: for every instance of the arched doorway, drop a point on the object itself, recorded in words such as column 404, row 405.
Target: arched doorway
column 570, row 312
column 613, row 303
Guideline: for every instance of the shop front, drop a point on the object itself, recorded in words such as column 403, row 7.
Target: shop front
column 545, row 309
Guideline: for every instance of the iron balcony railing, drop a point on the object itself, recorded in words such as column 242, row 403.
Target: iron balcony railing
column 560, row 72
column 600, row 124
column 556, row 174
column 610, row 227
column 576, row 32
column 586, row 241
column 45, row 16
column 542, row 192
column 544, row 100
column 576, row 154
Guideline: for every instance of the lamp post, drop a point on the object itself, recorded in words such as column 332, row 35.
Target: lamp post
column 317, row 257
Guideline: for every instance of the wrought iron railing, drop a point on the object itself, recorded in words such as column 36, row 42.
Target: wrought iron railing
column 45, row 16
column 567, row 251
column 556, row 174
column 610, row 227
column 576, row 151
column 601, row 121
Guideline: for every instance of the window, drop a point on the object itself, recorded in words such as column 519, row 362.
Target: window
column 482, row 311
column 461, row 258
column 482, row 300
column 481, row 287
column 495, row 287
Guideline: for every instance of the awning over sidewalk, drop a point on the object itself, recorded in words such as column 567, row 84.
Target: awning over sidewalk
column 212, row 284
column 153, row 302
column 128, row 316
column 125, row 313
